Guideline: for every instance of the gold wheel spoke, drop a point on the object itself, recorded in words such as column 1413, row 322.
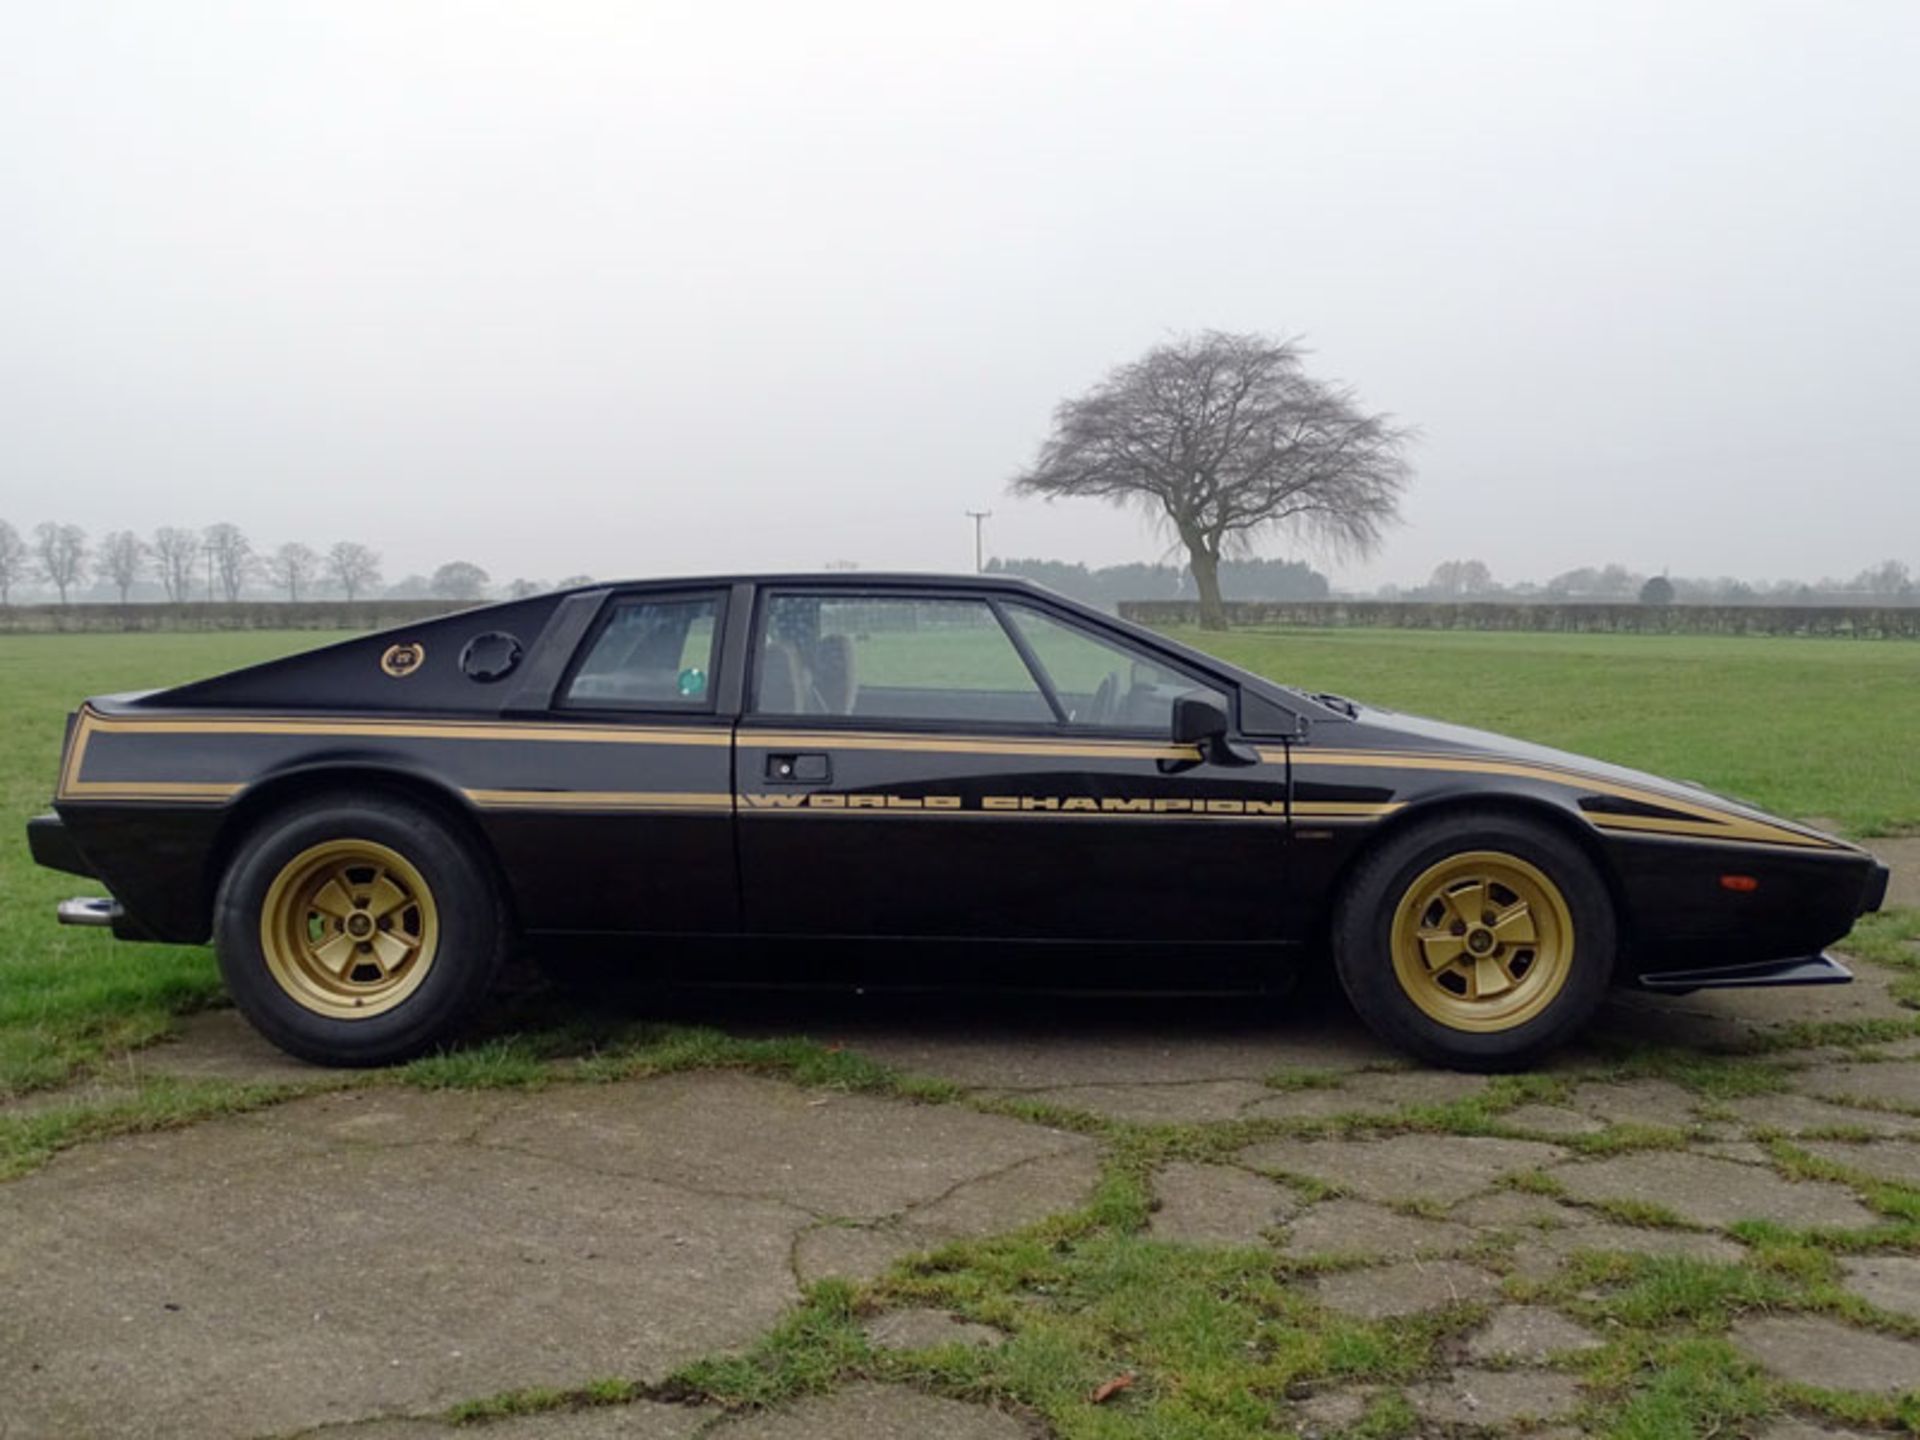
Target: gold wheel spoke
column 1440, row 948
column 1514, row 926
column 383, row 896
column 1489, row 978
column 332, row 899
column 336, row 954
column 390, row 950
column 1466, row 903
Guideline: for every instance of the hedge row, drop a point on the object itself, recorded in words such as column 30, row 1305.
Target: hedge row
column 243, row 615
column 1859, row 622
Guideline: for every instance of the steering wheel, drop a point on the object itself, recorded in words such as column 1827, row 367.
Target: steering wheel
column 1100, row 708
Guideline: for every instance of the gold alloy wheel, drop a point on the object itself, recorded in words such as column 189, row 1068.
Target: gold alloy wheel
column 349, row 929
column 1482, row 941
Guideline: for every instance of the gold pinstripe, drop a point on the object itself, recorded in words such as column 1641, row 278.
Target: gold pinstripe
column 1692, row 820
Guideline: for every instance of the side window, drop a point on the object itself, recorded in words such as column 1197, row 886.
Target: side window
column 893, row 658
column 1100, row 682
column 651, row 653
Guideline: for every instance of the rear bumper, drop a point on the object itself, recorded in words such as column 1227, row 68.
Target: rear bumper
column 53, row 847
column 1807, row 970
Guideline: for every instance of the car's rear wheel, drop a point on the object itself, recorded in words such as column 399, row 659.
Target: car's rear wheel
column 357, row 929
column 1476, row 940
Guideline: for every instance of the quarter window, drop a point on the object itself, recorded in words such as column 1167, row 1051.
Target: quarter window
column 894, row 658
column 1100, row 683
column 651, row 654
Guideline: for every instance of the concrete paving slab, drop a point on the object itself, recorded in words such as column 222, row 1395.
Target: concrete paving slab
column 1887, row 1082
column 1637, row 1102
column 828, row 1152
column 1792, row 1114
column 1023, row 1058
column 1405, row 1288
column 394, row 1251
column 1010, row 1199
column 1489, row 1398
column 1712, row 1192
column 642, row 1420
column 209, row 1287
column 1355, row 1227
column 220, row 1045
column 877, row 1412
column 1812, row 1350
column 1176, row 1104
column 1895, row 1160
column 1529, row 1335
column 1442, row 1169
column 1218, row 1205
column 1890, row 1281
column 855, row 1252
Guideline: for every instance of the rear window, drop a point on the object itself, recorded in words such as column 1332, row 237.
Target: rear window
column 654, row 653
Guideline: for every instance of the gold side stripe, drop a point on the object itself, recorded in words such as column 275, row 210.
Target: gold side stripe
column 1711, row 822
column 1699, row 829
column 91, row 722
column 418, row 730
column 963, row 745
column 146, row 790
column 599, row 800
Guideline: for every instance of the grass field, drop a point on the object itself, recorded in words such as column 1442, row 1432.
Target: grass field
column 1809, row 728
column 1806, row 728
column 69, row 997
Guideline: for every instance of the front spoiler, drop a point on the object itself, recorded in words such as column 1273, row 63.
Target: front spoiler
column 1808, row 970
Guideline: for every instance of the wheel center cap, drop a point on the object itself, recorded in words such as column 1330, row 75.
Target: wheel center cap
column 359, row 926
column 1479, row 941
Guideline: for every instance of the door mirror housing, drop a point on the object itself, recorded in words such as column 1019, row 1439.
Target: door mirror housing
column 1200, row 719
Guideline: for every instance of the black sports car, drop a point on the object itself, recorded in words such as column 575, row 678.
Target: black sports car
column 364, row 830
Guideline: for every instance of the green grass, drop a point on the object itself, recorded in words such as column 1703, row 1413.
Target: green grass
column 1806, row 728
column 69, row 997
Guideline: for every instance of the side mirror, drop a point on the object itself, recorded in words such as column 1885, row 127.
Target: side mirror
column 1201, row 720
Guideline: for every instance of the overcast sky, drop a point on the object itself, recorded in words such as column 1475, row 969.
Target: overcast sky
column 634, row 288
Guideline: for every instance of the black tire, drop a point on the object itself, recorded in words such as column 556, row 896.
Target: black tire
column 1364, row 946
column 469, row 932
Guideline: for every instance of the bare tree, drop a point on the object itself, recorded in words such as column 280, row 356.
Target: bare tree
column 174, row 552
column 460, row 580
column 123, row 559
column 292, row 567
column 1222, row 438
column 13, row 561
column 353, row 567
column 62, row 553
column 231, row 554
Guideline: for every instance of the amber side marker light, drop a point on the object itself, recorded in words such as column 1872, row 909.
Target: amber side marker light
column 1739, row 884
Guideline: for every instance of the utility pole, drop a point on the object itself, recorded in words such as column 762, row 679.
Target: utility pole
column 979, row 518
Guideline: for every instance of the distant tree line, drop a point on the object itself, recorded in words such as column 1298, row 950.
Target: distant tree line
column 178, row 564
column 1889, row 583
column 1110, row 584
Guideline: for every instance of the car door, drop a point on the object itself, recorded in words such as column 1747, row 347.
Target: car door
column 967, row 765
column 614, row 815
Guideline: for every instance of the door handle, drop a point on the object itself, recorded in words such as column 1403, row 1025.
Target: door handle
column 799, row 769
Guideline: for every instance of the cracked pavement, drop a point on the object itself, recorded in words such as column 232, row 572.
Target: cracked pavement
column 361, row 1260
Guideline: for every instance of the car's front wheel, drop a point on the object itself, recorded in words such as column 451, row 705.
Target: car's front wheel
column 357, row 929
column 1476, row 940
